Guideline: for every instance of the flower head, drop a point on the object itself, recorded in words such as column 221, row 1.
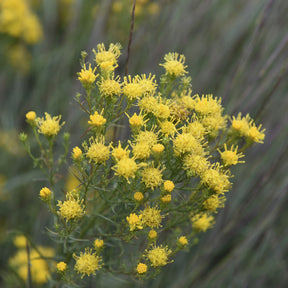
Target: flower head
column 49, row 126
column 202, row 222
column 132, row 89
column 148, row 84
column 126, row 167
column 230, row 157
column 138, row 196
column 152, row 177
column 97, row 152
column 241, row 125
column 103, row 56
column 208, row 105
column 76, row 153
column 31, row 116
column 169, row 186
column 96, row 119
column 87, row 263
column 214, row 202
column 141, row 150
column 118, row 152
column 134, row 221
column 174, row 64
column 110, row 87
column 152, row 234
column 72, row 208
column 98, row 243
column 158, row 256
column 87, row 76
column 61, row 266
column 166, row 199
column 45, row 194
column 256, row 134
column 185, row 142
column 141, row 268
column 182, row 241
column 216, row 179
column 151, row 217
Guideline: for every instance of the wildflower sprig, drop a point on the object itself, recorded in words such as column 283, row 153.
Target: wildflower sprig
column 159, row 188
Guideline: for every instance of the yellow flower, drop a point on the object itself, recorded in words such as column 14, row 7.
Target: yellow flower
column 151, row 217
column 118, row 152
column 195, row 163
column 98, row 152
column 174, row 64
column 202, row 222
column 132, row 89
column 216, row 179
column 87, row 263
column 169, row 186
column 20, row 241
column 134, row 221
column 256, row 134
column 77, row 153
column 161, row 111
column 110, row 87
column 39, row 267
column 61, row 266
column 32, row 30
column 49, row 126
column 72, row 208
column 230, row 157
column 158, row 256
column 214, row 202
column 183, row 241
column 136, row 121
column 126, row 167
column 196, row 129
column 147, row 103
column 149, row 137
column 148, row 84
column 98, row 243
column 166, row 199
column 208, row 105
column 97, row 119
column 241, row 124
column 187, row 143
column 167, row 128
column 138, row 196
column 152, row 234
column 141, row 150
column 152, row 177
column 141, row 268
column 213, row 123
column 30, row 116
column 109, row 56
column 45, row 194
column 87, row 76
column 158, row 148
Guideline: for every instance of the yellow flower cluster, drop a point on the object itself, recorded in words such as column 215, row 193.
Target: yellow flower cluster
column 18, row 20
column 167, row 179
column 39, row 266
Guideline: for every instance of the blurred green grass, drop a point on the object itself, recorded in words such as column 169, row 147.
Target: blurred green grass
column 237, row 50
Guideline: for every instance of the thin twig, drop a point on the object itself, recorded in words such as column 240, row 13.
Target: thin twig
column 29, row 280
column 130, row 38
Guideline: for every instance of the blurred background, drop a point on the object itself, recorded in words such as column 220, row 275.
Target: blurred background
column 237, row 50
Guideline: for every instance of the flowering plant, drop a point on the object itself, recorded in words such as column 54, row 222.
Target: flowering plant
column 141, row 200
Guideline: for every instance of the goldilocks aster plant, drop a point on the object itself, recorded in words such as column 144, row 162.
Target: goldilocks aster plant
column 142, row 200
